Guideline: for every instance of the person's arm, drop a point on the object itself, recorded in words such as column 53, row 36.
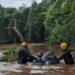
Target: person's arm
column 61, row 57
column 28, row 52
column 71, row 50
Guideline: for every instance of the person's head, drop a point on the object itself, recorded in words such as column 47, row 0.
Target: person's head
column 24, row 45
column 64, row 46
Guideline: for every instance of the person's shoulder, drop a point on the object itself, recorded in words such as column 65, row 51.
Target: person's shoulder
column 24, row 49
column 67, row 52
column 21, row 49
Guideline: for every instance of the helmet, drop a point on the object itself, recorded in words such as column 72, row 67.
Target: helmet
column 24, row 44
column 63, row 45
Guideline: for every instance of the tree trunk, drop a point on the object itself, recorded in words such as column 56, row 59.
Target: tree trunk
column 18, row 34
column 14, row 28
column 17, row 31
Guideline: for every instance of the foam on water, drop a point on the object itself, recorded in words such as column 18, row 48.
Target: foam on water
column 14, row 67
column 36, row 67
column 9, row 67
column 1, row 54
column 38, row 71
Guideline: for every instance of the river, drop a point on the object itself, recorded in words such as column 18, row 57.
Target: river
column 14, row 68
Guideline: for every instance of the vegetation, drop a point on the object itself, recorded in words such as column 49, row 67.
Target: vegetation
column 60, row 22
column 10, row 55
column 50, row 20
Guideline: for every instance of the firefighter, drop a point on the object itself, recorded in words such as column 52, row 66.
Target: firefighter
column 66, row 53
column 24, row 55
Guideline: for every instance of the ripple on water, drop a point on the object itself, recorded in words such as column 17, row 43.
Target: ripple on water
column 34, row 69
column 9, row 67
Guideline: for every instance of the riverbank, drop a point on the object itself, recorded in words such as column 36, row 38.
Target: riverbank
column 32, row 46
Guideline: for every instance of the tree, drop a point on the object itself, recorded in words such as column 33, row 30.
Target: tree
column 2, row 25
column 35, row 26
column 21, row 21
column 59, row 22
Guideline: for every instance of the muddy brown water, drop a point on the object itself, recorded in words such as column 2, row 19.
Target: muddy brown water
column 14, row 68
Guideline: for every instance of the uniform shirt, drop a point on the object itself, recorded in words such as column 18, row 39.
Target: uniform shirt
column 67, row 57
column 25, row 56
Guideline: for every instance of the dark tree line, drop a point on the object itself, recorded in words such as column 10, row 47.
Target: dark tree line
column 23, row 24
column 50, row 20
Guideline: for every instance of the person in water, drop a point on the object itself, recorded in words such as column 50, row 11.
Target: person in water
column 24, row 55
column 66, row 55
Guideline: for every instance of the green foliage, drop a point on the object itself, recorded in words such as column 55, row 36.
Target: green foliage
column 29, row 20
column 9, row 55
column 53, row 19
column 60, row 22
column 35, row 26
column 21, row 20
column 5, row 15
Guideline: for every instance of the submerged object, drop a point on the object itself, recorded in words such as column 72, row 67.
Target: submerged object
column 46, row 59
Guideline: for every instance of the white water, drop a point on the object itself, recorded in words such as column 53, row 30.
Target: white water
column 15, row 67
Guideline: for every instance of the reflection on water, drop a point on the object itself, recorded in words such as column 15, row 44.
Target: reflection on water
column 16, row 69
